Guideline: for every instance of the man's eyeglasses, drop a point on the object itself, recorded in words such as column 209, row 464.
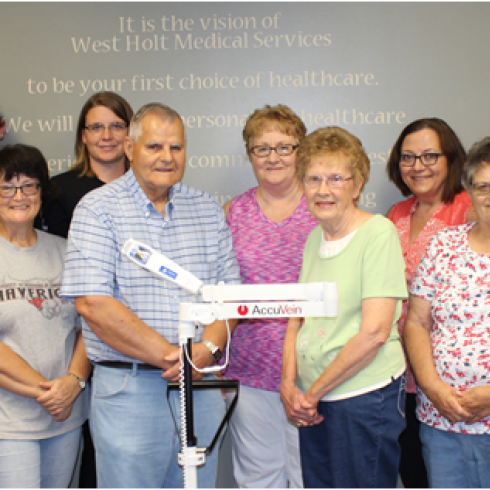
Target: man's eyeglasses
column 30, row 189
column 114, row 127
column 428, row 159
column 281, row 150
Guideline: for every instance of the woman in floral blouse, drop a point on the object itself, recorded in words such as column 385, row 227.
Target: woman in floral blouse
column 447, row 335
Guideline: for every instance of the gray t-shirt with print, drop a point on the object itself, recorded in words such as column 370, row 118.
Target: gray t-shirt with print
column 41, row 328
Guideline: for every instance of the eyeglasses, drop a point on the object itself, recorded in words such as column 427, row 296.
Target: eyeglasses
column 265, row 151
column 408, row 160
column 333, row 181
column 30, row 189
column 114, row 127
column 482, row 189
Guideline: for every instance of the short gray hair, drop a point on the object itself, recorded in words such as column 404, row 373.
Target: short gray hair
column 478, row 155
column 166, row 113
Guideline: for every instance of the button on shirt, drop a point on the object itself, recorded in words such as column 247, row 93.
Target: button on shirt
column 193, row 233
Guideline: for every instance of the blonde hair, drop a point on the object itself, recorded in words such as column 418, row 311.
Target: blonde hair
column 333, row 141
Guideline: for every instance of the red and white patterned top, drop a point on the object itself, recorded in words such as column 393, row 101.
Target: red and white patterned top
column 456, row 280
column 401, row 214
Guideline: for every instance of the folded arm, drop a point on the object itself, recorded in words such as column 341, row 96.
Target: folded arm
column 60, row 393
column 360, row 350
column 419, row 349
column 119, row 328
column 17, row 376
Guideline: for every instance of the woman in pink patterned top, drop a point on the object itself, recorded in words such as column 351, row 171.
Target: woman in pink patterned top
column 425, row 162
column 270, row 224
column 447, row 336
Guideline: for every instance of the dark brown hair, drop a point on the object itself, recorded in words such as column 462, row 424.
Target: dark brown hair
column 451, row 147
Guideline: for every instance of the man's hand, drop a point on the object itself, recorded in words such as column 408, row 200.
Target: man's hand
column 201, row 357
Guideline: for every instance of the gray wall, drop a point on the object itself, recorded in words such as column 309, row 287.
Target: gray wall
column 369, row 67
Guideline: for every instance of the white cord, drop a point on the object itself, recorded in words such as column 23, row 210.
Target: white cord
column 213, row 369
column 183, row 423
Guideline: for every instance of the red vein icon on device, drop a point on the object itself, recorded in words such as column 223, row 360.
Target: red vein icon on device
column 242, row 310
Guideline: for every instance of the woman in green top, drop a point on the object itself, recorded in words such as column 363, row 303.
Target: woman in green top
column 343, row 379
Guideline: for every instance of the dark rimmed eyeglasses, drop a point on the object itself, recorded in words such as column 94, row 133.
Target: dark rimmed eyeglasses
column 428, row 159
column 281, row 150
column 29, row 189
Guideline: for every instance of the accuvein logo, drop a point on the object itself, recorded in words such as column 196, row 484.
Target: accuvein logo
column 284, row 309
column 242, row 310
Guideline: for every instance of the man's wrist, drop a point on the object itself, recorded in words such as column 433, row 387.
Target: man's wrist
column 215, row 351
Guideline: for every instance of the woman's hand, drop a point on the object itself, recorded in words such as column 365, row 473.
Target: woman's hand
column 59, row 396
column 448, row 403
column 476, row 401
column 298, row 410
column 63, row 415
column 419, row 347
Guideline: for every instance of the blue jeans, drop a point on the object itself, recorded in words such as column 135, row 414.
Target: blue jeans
column 135, row 438
column 42, row 463
column 455, row 460
column 357, row 443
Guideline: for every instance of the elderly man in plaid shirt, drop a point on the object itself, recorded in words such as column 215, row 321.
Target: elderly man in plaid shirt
column 130, row 316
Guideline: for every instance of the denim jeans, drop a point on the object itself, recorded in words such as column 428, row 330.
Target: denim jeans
column 455, row 460
column 42, row 463
column 135, row 436
column 357, row 443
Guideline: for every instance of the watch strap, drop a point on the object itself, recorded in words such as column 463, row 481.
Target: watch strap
column 81, row 382
column 214, row 349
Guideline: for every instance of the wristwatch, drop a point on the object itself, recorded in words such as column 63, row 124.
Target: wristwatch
column 81, row 382
column 216, row 352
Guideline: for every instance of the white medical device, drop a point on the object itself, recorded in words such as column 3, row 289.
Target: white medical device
column 223, row 302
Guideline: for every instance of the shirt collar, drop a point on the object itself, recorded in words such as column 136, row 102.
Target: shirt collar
column 415, row 203
column 142, row 199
